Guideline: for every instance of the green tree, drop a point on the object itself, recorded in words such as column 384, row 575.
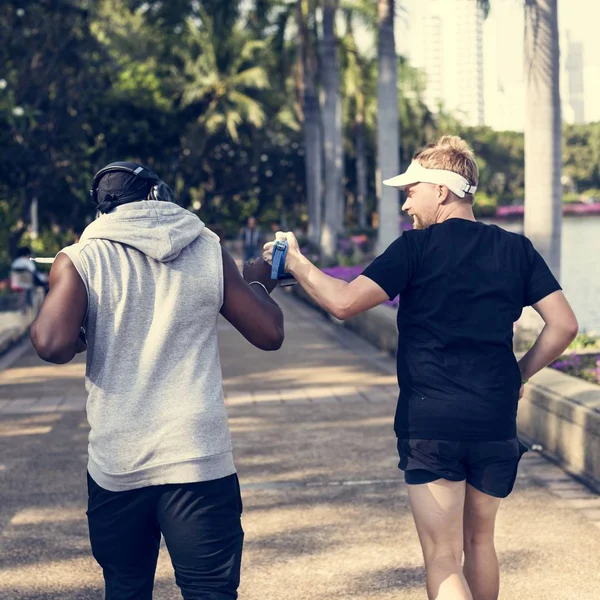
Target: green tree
column 296, row 34
column 418, row 124
column 356, row 75
column 54, row 78
column 223, row 94
column 581, row 155
column 311, row 115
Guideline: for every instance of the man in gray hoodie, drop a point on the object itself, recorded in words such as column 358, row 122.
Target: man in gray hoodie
column 147, row 282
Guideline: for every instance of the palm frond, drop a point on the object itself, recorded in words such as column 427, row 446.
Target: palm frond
column 284, row 18
column 255, row 78
column 247, row 53
column 365, row 11
column 485, row 7
column 232, row 120
column 288, row 118
column 213, row 122
column 203, row 42
column 247, row 108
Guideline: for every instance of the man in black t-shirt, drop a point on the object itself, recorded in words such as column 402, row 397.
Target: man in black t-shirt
column 462, row 285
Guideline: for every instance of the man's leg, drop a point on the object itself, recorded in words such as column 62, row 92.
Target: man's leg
column 491, row 473
column 202, row 529
column 125, row 540
column 481, row 563
column 438, row 512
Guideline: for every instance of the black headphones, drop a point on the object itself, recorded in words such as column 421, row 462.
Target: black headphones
column 159, row 191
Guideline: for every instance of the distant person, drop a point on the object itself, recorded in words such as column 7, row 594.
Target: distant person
column 462, row 285
column 251, row 240
column 24, row 275
column 148, row 281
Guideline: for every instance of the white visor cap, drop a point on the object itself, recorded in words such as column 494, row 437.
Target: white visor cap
column 416, row 173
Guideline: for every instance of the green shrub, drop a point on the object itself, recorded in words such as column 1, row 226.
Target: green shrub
column 585, row 341
column 571, row 198
column 591, row 194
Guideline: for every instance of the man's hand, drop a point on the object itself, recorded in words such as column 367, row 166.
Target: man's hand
column 259, row 270
column 293, row 255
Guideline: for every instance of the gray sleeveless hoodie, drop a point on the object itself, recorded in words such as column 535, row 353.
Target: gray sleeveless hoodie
column 154, row 276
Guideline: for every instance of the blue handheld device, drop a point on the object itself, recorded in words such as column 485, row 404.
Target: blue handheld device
column 280, row 251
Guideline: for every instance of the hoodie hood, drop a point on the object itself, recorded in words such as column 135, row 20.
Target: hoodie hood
column 161, row 230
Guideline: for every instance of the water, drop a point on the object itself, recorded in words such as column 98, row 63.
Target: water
column 580, row 268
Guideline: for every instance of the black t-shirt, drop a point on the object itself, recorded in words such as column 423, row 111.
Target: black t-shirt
column 462, row 285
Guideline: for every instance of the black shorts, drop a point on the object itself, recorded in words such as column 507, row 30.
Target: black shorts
column 490, row 467
column 200, row 523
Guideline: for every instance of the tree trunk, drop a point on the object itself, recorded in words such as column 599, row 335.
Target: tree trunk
column 312, row 129
column 299, row 80
column 361, row 161
column 387, row 126
column 331, row 132
column 543, row 160
column 339, row 161
column 313, row 163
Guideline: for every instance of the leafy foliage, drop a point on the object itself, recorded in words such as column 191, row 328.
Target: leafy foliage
column 207, row 93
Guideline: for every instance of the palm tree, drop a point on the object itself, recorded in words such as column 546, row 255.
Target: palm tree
column 299, row 17
column 332, row 127
column 419, row 126
column 415, row 119
column 357, row 75
column 225, row 93
column 543, row 155
column 312, row 118
column 388, row 135
column 543, row 160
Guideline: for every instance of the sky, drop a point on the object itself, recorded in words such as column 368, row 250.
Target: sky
column 579, row 17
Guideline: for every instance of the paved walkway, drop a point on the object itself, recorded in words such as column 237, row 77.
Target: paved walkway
column 326, row 513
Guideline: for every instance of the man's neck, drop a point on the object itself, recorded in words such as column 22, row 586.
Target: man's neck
column 458, row 211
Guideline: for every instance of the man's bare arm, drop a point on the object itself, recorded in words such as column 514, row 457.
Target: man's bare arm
column 340, row 298
column 55, row 333
column 249, row 308
column 560, row 330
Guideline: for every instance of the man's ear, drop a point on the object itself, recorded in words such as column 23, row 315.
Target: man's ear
column 443, row 194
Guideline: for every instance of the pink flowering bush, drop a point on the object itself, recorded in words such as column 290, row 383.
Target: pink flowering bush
column 350, row 273
column 585, row 366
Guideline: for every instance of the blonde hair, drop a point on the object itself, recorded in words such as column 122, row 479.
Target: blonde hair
column 450, row 153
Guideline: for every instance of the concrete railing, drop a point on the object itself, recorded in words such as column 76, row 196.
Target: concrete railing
column 16, row 315
column 560, row 413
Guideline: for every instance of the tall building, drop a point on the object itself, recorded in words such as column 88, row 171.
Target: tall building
column 469, row 44
column 448, row 47
column 433, row 59
column 505, row 99
column 571, row 84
